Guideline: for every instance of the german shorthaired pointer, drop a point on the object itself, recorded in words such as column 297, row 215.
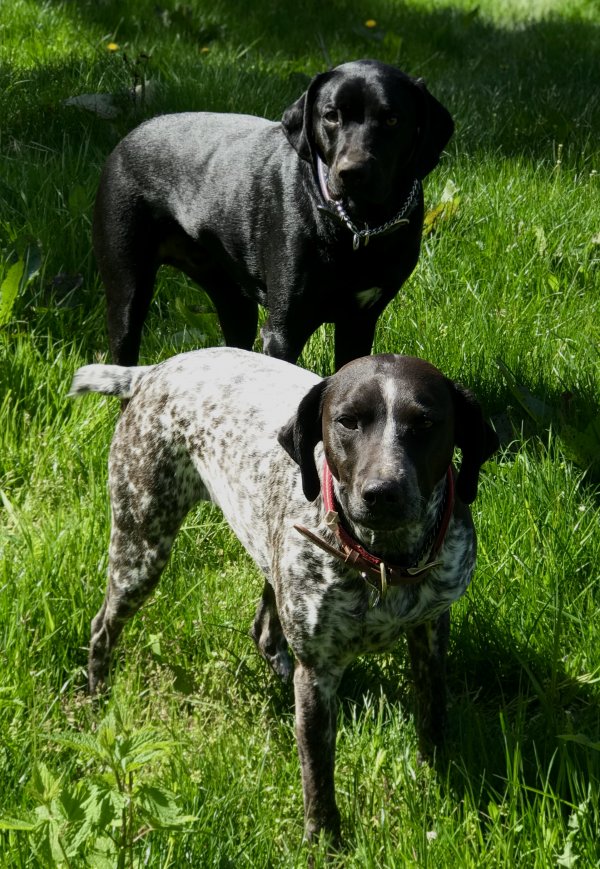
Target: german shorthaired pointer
column 317, row 218
column 341, row 489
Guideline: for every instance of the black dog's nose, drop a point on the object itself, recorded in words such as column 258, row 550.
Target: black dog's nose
column 380, row 493
column 352, row 169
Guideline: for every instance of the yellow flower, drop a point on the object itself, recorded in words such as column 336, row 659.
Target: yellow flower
column 204, row 49
column 370, row 22
column 112, row 46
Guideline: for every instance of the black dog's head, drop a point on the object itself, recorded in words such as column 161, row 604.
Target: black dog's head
column 389, row 425
column 374, row 127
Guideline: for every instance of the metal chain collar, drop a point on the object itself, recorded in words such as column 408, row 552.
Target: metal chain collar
column 359, row 235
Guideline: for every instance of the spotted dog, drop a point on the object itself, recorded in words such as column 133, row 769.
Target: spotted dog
column 342, row 490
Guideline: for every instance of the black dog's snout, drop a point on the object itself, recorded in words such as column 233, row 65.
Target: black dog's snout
column 353, row 170
column 382, row 493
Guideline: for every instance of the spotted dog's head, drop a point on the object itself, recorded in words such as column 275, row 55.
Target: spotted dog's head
column 389, row 425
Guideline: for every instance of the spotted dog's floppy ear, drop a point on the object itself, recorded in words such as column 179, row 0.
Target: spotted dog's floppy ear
column 476, row 439
column 435, row 129
column 297, row 121
column 300, row 436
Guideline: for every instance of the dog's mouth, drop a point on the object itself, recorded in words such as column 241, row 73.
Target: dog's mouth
column 397, row 518
column 358, row 193
column 387, row 539
column 361, row 190
column 378, row 521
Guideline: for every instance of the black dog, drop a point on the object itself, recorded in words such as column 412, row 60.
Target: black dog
column 318, row 218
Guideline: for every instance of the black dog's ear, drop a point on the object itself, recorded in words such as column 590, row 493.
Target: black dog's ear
column 476, row 439
column 300, row 436
column 435, row 129
column 297, row 119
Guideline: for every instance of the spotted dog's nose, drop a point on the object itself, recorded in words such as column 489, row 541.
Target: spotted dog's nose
column 382, row 493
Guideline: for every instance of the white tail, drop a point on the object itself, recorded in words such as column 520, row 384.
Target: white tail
column 108, row 379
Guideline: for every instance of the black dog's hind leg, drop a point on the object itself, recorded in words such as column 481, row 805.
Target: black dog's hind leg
column 126, row 250
column 287, row 328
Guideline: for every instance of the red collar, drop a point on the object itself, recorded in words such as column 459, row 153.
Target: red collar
column 375, row 570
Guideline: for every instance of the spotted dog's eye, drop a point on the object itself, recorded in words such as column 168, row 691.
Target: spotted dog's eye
column 391, row 121
column 331, row 116
column 348, row 422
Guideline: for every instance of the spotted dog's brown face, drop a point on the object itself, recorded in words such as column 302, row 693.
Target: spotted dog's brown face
column 388, row 433
column 389, row 425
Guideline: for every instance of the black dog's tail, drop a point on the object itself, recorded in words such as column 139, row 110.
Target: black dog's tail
column 108, row 379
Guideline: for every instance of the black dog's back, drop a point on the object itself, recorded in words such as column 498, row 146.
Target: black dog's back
column 160, row 195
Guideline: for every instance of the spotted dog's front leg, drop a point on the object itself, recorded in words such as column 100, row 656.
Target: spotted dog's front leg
column 316, row 725
column 428, row 646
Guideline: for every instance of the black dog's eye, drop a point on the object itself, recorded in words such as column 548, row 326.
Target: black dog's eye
column 421, row 425
column 331, row 116
column 349, row 422
column 391, row 121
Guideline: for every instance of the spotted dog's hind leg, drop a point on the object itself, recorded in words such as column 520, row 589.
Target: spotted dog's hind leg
column 152, row 490
column 268, row 635
column 135, row 566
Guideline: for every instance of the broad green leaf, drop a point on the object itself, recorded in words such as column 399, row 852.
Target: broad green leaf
column 580, row 739
column 44, row 786
column 10, row 290
column 85, row 744
column 7, row 823
column 103, row 854
column 160, row 808
column 568, row 858
column 17, row 277
column 78, row 201
column 583, row 446
column 141, row 747
column 538, row 410
column 72, row 806
column 444, row 210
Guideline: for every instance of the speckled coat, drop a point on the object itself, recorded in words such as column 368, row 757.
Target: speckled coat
column 250, row 433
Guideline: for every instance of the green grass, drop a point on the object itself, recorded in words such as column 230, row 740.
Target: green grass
column 512, row 273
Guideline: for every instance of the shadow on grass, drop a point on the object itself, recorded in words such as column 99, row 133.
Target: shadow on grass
column 515, row 721
column 513, row 91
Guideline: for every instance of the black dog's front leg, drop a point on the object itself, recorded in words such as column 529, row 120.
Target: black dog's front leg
column 354, row 333
column 286, row 330
column 428, row 646
column 316, row 725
